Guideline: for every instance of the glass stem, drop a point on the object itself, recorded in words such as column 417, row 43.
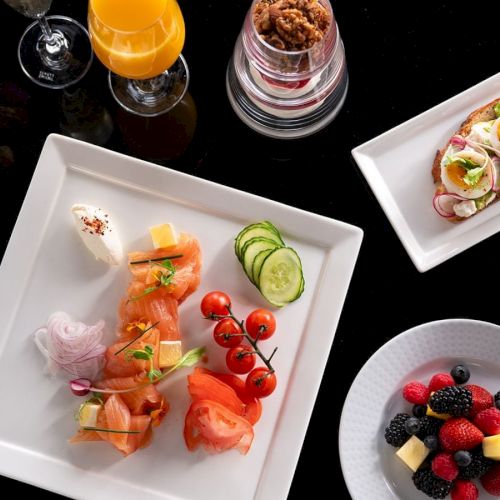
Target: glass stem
column 48, row 35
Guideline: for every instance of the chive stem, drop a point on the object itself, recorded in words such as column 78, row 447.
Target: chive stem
column 157, row 259
column 136, row 338
column 115, row 431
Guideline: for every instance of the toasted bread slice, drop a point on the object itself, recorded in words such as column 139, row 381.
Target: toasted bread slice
column 482, row 114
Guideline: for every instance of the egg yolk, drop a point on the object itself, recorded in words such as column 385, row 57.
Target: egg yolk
column 498, row 131
column 456, row 174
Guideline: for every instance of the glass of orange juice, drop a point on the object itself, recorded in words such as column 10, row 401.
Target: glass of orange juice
column 140, row 42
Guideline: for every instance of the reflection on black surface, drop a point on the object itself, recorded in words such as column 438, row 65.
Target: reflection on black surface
column 160, row 138
column 83, row 117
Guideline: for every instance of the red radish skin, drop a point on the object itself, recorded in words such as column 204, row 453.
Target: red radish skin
column 80, row 386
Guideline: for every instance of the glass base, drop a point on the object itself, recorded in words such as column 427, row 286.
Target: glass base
column 53, row 68
column 153, row 96
column 284, row 127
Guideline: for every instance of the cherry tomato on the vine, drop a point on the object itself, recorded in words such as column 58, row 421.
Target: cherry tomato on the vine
column 215, row 303
column 240, row 359
column 260, row 382
column 261, row 320
column 227, row 333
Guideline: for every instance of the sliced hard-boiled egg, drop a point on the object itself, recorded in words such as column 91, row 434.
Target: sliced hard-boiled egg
column 480, row 132
column 495, row 134
column 457, row 170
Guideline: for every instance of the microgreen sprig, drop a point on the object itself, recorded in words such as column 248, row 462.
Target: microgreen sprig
column 146, row 354
column 135, row 339
column 164, row 279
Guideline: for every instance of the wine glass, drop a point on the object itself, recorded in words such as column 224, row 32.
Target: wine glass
column 141, row 43
column 54, row 51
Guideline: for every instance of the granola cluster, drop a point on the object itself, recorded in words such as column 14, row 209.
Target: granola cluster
column 291, row 25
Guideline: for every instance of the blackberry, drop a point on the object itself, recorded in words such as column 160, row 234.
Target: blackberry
column 460, row 374
column 395, row 433
column 497, row 400
column 429, row 426
column 479, row 465
column 433, row 486
column 455, row 400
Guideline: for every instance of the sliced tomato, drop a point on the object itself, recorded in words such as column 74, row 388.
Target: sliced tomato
column 203, row 386
column 253, row 406
column 216, row 428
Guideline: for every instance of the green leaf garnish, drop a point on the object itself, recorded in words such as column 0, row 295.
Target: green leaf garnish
column 154, row 374
column 147, row 291
column 497, row 109
column 190, row 358
column 473, row 176
column 165, row 279
column 466, row 163
column 135, row 339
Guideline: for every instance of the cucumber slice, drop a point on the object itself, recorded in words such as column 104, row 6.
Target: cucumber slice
column 259, row 230
column 257, row 263
column 281, row 279
column 251, row 249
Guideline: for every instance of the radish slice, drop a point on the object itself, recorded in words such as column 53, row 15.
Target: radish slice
column 458, row 141
column 444, row 203
column 80, row 386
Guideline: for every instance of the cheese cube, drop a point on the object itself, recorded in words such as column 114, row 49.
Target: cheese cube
column 413, row 453
column 164, row 235
column 87, row 416
column 170, row 352
column 491, row 447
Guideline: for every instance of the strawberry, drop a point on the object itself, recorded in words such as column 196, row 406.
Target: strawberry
column 464, row 490
column 481, row 399
column 444, row 466
column 416, row 393
column 488, row 421
column 439, row 381
column 491, row 480
column 459, row 434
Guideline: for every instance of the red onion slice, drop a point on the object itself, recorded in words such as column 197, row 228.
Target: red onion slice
column 444, row 202
column 458, row 141
column 80, row 386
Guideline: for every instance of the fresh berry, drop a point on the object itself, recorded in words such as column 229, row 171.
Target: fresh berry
column 497, row 400
column 419, row 411
column 431, row 442
column 395, row 433
column 478, row 466
column 429, row 426
column 455, row 400
column 435, row 487
column 463, row 458
column 488, row 421
column 491, row 480
column 416, row 393
column 460, row 374
column 464, row 490
column 412, row 425
column 459, row 434
column 481, row 399
column 444, row 466
column 439, row 381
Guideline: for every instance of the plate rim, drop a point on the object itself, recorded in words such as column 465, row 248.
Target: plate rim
column 349, row 236
column 400, row 337
column 422, row 260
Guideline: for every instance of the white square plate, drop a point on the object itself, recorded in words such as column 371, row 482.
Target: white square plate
column 397, row 165
column 46, row 268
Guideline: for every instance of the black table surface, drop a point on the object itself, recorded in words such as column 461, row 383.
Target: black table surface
column 402, row 60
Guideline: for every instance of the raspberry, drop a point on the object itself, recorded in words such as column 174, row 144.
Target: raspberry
column 488, row 421
column 481, row 399
column 439, row 381
column 464, row 490
column 459, row 434
column 491, row 480
column 444, row 466
column 415, row 392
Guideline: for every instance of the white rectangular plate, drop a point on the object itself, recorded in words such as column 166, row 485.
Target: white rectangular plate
column 397, row 165
column 46, row 268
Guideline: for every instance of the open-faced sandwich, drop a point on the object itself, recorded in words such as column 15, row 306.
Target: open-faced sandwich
column 466, row 171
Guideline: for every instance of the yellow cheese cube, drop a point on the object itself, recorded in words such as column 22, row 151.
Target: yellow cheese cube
column 87, row 416
column 164, row 235
column 442, row 416
column 491, row 447
column 413, row 453
column 170, row 352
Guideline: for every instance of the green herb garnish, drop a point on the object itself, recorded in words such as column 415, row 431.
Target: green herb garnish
column 164, row 279
column 473, row 176
column 466, row 163
column 136, row 338
column 497, row 109
column 147, row 354
column 116, row 431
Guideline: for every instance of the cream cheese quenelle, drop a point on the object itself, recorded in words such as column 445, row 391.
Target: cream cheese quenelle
column 98, row 233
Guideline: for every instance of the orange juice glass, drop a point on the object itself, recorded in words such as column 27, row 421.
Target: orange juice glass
column 140, row 42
